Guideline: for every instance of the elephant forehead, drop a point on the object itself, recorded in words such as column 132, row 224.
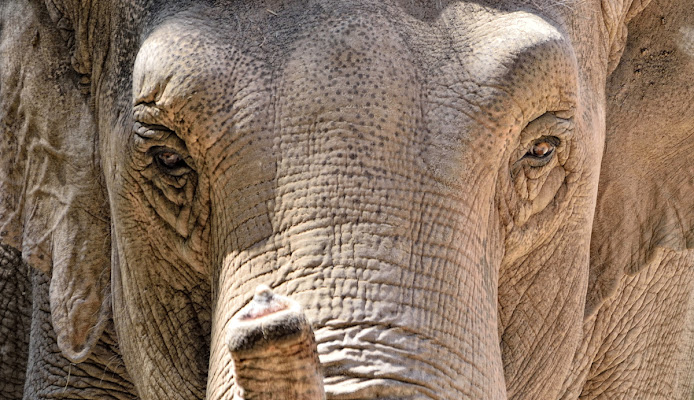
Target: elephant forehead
column 348, row 65
column 183, row 67
column 356, row 88
column 357, row 80
column 354, row 91
column 347, row 80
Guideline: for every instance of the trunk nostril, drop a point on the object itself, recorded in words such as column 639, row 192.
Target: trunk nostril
column 269, row 320
column 274, row 350
column 265, row 302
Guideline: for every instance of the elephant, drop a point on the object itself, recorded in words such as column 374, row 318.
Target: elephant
column 350, row 199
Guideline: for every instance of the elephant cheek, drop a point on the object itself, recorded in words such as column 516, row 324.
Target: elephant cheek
column 162, row 332
column 540, row 319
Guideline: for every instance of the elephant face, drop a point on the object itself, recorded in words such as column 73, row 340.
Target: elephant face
column 421, row 179
column 395, row 189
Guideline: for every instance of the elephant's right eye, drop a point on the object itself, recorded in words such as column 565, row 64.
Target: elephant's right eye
column 160, row 147
column 537, row 166
column 169, row 161
column 541, row 141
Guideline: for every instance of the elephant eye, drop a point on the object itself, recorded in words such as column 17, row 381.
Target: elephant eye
column 541, row 151
column 170, row 161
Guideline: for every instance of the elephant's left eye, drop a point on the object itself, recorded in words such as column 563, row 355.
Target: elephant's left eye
column 169, row 161
column 541, row 151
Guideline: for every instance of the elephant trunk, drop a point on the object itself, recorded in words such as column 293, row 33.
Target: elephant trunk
column 273, row 350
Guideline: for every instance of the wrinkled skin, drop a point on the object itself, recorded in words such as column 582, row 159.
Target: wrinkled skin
column 15, row 304
column 371, row 161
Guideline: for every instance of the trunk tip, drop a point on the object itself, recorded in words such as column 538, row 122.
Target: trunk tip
column 263, row 293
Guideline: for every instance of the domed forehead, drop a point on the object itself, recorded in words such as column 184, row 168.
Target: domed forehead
column 307, row 64
column 371, row 67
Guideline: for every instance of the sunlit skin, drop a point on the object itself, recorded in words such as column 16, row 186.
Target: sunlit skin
column 484, row 199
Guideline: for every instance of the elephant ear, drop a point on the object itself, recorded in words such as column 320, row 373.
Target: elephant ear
column 52, row 200
column 645, row 204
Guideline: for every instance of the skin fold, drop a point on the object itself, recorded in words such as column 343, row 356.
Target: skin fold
column 347, row 199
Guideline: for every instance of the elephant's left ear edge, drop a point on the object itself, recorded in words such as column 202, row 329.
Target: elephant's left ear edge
column 644, row 211
column 80, row 283
column 53, row 206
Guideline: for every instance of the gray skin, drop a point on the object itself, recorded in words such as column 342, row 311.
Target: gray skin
column 29, row 341
column 376, row 163
column 34, row 65
column 271, row 338
column 15, row 309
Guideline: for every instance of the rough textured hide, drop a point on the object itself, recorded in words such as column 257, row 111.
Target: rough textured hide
column 15, row 319
column 639, row 342
column 375, row 162
column 271, row 340
column 53, row 206
column 647, row 176
column 31, row 366
column 50, row 374
column 618, row 14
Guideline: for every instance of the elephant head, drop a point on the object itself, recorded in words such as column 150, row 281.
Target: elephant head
column 422, row 178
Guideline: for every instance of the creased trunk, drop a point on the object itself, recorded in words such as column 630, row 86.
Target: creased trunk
column 382, row 341
column 361, row 210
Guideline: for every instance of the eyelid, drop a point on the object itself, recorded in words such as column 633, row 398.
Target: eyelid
column 538, row 162
column 553, row 140
column 546, row 126
column 176, row 171
column 152, row 114
column 147, row 112
column 151, row 131
column 150, row 138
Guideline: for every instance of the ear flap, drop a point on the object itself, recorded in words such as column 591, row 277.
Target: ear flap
column 645, row 205
column 52, row 200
